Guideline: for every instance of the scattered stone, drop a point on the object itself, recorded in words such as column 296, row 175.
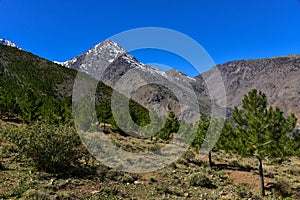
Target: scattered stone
column 138, row 183
column 95, row 192
column 186, row 194
column 51, row 181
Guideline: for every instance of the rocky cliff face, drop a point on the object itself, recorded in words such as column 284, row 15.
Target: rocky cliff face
column 277, row 77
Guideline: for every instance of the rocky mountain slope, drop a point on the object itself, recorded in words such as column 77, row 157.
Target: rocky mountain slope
column 149, row 86
column 277, row 77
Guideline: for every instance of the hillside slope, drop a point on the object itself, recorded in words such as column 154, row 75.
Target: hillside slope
column 32, row 88
column 277, row 77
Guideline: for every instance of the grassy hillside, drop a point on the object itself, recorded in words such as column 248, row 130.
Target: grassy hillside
column 29, row 72
column 33, row 88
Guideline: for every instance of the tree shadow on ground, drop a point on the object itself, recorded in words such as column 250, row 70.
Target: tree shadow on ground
column 233, row 167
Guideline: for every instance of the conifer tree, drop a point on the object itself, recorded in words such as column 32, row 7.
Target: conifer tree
column 171, row 126
column 260, row 131
column 210, row 140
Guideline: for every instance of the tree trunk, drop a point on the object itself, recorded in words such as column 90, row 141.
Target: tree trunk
column 209, row 160
column 261, row 176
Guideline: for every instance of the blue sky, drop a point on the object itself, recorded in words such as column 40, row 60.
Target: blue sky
column 227, row 29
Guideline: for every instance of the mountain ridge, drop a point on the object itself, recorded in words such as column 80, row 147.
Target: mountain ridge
column 239, row 77
column 110, row 63
column 278, row 77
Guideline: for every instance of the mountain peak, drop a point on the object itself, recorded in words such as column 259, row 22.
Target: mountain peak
column 105, row 52
column 8, row 43
column 109, row 42
column 110, row 46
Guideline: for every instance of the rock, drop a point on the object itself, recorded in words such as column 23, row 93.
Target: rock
column 186, row 194
column 51, row 181
column 95, row 192
column 138, row 183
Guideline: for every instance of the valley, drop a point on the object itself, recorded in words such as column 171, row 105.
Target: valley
column 43, row 157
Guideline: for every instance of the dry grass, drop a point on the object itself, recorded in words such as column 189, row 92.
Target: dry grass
column 233, row 177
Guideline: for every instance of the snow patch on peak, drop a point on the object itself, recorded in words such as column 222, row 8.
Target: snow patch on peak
column 59, row 63
column 8, row 43
column 146, row 68
column 110, row 46
column 67, row 63
column 105, row 53
column 107, row 50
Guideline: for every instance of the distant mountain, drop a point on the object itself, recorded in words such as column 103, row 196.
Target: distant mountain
column 8, row 43
column 110, row 63
column 278, row 78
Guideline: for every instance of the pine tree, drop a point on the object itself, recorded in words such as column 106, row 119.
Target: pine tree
column 259, row 131
column 29, row 105
column 8, row 104
column 103, row 113
column 209, row 138
column 171, row 126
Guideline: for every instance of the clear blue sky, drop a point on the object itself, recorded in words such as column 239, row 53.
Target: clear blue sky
column 227, row 29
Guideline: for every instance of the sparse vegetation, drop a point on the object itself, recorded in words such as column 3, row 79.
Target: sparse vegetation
column 200, row 179
column 190, row 179
column 42, row 157
column 52, row 148
column 281, row 189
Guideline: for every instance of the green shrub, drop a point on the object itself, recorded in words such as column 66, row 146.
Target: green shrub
column 154, row 147
column 243, row 190
column 281, row 188
column 35, row 194
column 66, row 196
column 52, row 148
column 119, row 176
column 12, row 134
column 200, row 179
column 127, row 179
column 14, row 140
column 189, row 155
column 21, row 187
